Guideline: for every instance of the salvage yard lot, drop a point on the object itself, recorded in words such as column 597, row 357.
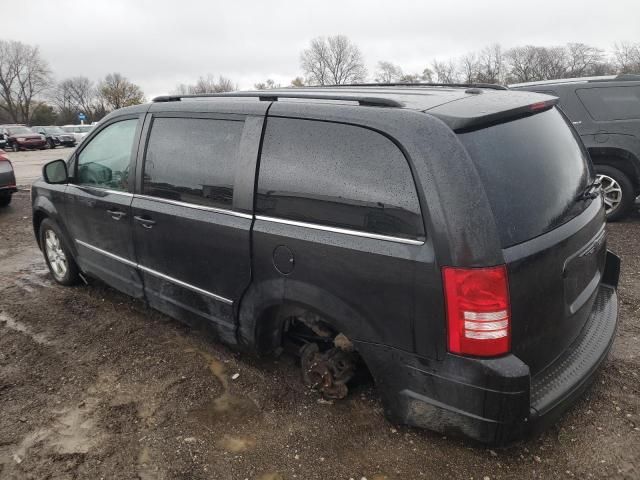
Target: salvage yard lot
column 96, row 385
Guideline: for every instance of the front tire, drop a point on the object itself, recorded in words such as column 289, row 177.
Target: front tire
column 51, row 144
column 5, row 200
column 15, row 147
column 617, row 191
column 61, row 264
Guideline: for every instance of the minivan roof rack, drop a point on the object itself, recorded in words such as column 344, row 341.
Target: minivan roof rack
column 493, row 86
column 275, row 96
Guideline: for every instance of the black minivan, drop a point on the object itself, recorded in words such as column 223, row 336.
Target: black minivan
column 451, row 238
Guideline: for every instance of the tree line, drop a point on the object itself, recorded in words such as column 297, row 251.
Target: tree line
column 336, row 61
column 30, row 94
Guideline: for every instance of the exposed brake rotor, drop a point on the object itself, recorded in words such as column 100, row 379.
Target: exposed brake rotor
column 328, row 371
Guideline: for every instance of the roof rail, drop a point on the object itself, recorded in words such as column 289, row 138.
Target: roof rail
column 275, row 96
column 493, row 86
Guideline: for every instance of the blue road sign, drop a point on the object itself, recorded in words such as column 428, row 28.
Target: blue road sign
column 81, row 116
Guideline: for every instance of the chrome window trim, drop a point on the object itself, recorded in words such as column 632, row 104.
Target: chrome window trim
column 105, row 190
column 223, row 211
column 345, row 231
column 156, row 273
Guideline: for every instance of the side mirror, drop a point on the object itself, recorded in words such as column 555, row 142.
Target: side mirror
column 55, row 172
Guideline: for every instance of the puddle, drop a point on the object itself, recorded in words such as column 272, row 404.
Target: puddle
column 20, row 327
column 14, row 261
column 271, row 476
column 236, row 444
column 74, row 433
column 226, row 407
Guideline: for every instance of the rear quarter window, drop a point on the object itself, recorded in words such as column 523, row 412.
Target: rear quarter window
column 611, row 103
column 533, row 170
column 339, row 176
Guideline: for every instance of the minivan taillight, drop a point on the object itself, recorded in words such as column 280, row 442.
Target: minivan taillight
column 478, row 313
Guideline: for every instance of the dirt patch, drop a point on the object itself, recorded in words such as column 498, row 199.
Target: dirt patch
column 95, row 385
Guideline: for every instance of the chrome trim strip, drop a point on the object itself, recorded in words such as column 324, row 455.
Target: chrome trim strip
column 186, row 285
column 108, row 254
column 223, row 211
column 156, row 273
column 345, row 231
column 105, row 190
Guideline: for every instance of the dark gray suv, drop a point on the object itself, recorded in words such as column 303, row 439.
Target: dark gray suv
column 606, row 114
column 386, row 225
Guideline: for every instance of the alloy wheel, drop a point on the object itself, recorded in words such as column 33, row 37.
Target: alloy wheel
column 611, row 192
column 55, row 255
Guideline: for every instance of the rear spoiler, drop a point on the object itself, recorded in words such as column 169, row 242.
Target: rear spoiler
column 490, row 108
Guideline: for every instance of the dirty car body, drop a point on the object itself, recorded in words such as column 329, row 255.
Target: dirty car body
column 399, row 218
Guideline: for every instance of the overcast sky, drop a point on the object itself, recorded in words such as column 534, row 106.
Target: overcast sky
column 159, row 44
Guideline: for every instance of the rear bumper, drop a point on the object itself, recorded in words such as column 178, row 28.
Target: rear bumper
column 494, row 401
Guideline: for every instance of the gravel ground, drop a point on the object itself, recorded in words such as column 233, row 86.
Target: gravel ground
column 95, row 385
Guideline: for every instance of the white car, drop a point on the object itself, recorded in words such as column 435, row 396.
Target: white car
column 78, row 131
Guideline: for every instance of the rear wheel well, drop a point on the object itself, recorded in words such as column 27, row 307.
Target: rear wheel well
column 273, row 322
column 623, row 160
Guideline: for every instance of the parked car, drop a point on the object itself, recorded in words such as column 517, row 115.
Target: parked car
column 19, row 137
column 606, row 113
column 55, row 136
column 7, row 181
column 389, row 225
column 3, row 141
column 78, row 131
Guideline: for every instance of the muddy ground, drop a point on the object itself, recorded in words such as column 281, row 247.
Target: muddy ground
column 94, row 385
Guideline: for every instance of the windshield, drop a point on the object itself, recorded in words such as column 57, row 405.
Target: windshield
column 19, row 131
column 533, row 170
column 53, row 130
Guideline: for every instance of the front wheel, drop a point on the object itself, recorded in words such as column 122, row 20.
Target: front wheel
column 617, row 191
column 59, row 260
column 15, row 147
column 5, row 200
column 51, row 144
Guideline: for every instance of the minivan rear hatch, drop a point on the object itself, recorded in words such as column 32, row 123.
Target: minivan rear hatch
column 549, row 217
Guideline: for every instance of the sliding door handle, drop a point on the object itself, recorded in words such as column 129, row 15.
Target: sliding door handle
column 145, row 222
column 116, row 214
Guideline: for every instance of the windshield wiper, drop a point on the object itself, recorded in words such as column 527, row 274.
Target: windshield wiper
column 590, row 191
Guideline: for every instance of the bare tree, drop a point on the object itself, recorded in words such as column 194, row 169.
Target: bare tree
column 582, row 59
column 387, row 72
column 74, row 95
column 117, row 91
column 490, row 65
column 266, row 85
column 333, row 61
column 297, row 82
column 410, row 78
column 469, row 67
column 445, row 71
column 627, row 57
column 208, row 84
column 522, row 63
column 24, row 75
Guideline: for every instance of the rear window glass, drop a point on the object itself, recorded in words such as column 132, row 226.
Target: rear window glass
column 611, row 103
column 533, row 170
